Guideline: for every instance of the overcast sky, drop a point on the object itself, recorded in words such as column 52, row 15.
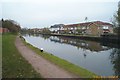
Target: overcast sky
column 44, row 13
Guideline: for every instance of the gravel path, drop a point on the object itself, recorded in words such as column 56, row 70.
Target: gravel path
column 41, row 65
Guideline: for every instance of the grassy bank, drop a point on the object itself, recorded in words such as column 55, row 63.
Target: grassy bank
column 83, row 73
column 13, row 64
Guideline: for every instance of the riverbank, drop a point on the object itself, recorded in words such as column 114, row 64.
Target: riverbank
column 71, row 68
column 46, row 68
column 13, row 64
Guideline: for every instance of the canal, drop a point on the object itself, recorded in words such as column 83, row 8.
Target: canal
column 101, row 58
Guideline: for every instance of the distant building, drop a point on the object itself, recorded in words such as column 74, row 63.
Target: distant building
column 95, row 28
column 36, row 30
column 3, row 30
column 56, row 28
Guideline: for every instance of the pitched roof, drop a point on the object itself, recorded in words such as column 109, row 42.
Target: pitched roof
column 102, row 23
column 88, row 23
column 57, row 26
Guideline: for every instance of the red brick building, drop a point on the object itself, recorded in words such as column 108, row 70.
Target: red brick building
column 3, row 30
column 95, row 28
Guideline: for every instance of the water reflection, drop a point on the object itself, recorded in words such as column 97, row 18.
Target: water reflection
column 99, row 57
column 86, row 45
column 92, row 46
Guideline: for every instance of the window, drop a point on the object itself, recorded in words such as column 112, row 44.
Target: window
column 75, row 28
column 83, row 27
column 105, row 27
column 71, row 28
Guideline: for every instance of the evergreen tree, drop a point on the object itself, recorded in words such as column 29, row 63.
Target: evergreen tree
column 116, row 21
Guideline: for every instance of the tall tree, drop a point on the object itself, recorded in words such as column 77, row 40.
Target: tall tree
column 115, row 60
column 11, row 25
column 116, row 21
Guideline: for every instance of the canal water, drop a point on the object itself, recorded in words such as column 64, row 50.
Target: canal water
column 101, row 58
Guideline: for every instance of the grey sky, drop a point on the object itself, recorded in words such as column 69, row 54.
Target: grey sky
column 44, row 13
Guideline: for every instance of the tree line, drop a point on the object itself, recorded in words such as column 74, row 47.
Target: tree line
column 11, row 25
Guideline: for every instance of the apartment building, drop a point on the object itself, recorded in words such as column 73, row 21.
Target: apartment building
column 95, row 28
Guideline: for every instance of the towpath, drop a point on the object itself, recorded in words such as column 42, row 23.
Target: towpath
column 41, row 65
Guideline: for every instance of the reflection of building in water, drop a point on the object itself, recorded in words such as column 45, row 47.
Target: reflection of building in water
column 90, row 45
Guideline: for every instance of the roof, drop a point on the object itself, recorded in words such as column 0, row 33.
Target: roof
column 57, row 26
column 88, row 23
column 102, row 23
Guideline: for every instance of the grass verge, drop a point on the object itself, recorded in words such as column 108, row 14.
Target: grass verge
column 13, row 64
column 83, row 73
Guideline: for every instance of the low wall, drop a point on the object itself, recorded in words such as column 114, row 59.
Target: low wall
column 111, row 38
